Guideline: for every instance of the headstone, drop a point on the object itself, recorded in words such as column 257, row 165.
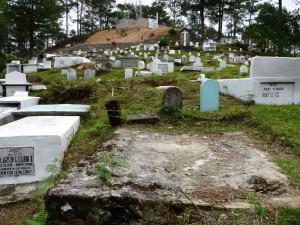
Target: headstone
column 114, row 112
column 146, row 55
column 191, row 43
column 184, row 37
column 128, row 73
column 179, row 51
column 89, row 74
column 198, row 54
column 192, row 59
column 243, row 69
column 222, row 64
column 117, row 64
column 166, row 67
column 198, row 62
column 14, row 81
column 209, row 96
column 172, row 100
column 141, row 65
column 129, row 62
column 172, row 52
column 183, row 59
column 71, row 74
column 176, row 43
column 108, row 66
column 196, row 44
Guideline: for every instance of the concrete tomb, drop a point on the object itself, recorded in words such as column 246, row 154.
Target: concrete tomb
column 69, row 61
column 29, row 145
column 209, row 96
column 14, row 81
column 166, row 67
column 273, row 81
column 209, row 46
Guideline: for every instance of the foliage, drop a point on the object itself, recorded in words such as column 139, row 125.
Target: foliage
column 164, row 42
column 289, row 216
column 39, row 219
column 172, row 32
column 103, row 167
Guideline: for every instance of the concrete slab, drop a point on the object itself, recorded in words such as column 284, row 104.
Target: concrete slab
column 163, row 168
column 53, row 110
column 19, row 101
column 28, row 145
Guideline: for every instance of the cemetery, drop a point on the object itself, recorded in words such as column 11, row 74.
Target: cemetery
column 139, row 123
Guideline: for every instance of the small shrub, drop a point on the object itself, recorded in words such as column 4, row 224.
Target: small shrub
column 172, row 32
column 164, row 42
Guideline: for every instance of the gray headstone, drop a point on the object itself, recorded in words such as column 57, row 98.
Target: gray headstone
column 89, row 74
column 71, row 74
column 172, row 99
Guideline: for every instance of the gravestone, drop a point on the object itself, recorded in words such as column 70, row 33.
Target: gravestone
column 128, row 73
column 141, row 65
column 117, row 64
column 222, row 64
column 129, row 62
column 172, row 100
column 14, row 81
column 209, row 96
column 172, row 52
column 145, row 55
column 198, row 62
column 183, row 59
column 108, row 66
column 89, row 74
column 71, row 74
column 184, row 37
column 192, row 59
column 243, row 69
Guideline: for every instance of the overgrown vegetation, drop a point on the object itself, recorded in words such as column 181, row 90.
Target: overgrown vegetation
column 276, row 127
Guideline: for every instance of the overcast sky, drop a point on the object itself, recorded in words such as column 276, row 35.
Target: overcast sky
column 289, row 4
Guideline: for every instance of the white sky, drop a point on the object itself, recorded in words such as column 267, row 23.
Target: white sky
column 289, row 4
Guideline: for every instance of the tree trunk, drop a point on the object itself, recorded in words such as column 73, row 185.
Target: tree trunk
column 202, row 20
column 67, row 18
column 280, row 46
column 31, row 41
column 220, row 22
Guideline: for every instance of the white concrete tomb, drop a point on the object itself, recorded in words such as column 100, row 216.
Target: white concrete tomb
column 29, row 145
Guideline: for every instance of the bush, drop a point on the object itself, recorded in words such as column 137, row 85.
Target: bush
column 172, row 32
column 164, row 42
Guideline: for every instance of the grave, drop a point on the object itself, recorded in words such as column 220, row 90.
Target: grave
column 52, row 110
column 197, row 68
column 128, row 73
column 243, row 69
column 19, row 101
column 192, row 59
column 13, row 66
column 273, row 81
column 29, row 68
column 28, row 145
column 129, row 62
column 118, row 64
column 184, row 37
column 14, row 81
column 172, row 100
column 89, row 74
column 223, row 64
column 162, row 169
column 69, row 61
column 198, row 62
column 165, row 67
column 209, row 96
column 209, row 46
column 71, row 74
column 143, row 73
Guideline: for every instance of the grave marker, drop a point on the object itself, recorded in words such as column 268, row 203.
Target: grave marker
column 172, row 100
column 209, row 96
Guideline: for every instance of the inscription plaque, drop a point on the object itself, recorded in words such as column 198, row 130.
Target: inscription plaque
column 163, row 67
column 15, row 161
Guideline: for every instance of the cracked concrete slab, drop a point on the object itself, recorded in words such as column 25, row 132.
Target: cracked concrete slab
column 163, row 169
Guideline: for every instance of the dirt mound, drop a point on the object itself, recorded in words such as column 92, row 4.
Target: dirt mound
column 137, row 34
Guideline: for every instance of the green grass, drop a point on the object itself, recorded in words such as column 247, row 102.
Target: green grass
column 273, row 126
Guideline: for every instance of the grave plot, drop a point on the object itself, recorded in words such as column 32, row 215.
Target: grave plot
column 160, row 168
column 28, row 145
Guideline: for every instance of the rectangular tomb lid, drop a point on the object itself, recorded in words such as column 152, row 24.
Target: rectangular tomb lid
column 56, row 109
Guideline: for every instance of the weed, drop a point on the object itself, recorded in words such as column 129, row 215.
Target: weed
column 39, row 219
column 250, row 197
column 288, row 216
column 103, row 167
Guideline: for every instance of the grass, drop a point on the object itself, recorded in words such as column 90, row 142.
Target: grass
column 277, row 127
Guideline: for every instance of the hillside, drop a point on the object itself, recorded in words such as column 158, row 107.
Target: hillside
column 137, row 34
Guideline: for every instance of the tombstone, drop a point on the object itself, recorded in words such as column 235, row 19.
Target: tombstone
column 114, row 112
column 128, row 73
column 198, row 62
column 108, row 66
column 117, row 64
column 145, row 55
column 159, row 72
column 192, row 59
column 132, row 53
column 141, row 65
column 209, row 96
column 190, row 53
column 198, row 54
column 176, row 43
column 172, row 100
column 39, row 140
column 89, row 74
column 166, row 58
column 196, row 44
column 140, row 53
column 151, row 48
column 183, row 59
column 71, row 74
column 179, row 51
column 129, row 62
column 166, row 67
column 243, row 69
column 191, row 43
column 209, row 46
column 222, row 64
column 184, row 37
column 14, row 81
column 172, row 52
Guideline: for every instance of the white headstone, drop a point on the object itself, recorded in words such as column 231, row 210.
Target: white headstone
column 223, row 64
column 243, row 69
column 71, row 74
column 198, row 62
column 192, row 59
column 172, row 52
column 128, row 73
column 141, row 65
